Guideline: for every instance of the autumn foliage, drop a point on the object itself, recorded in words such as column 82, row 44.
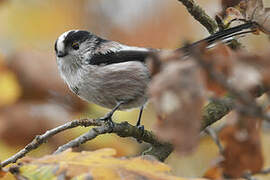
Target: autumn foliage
column 188, row 92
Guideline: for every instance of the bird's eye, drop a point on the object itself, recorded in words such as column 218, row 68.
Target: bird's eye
column 75, row 46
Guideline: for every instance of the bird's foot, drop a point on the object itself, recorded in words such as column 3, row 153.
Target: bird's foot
column 108, row 117
column 108, row 120
column 141, row 129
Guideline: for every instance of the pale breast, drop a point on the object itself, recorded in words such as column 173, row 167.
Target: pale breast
column 109, row 84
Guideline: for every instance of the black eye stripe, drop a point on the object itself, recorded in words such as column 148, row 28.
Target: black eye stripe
column 55, row 46
column 76, row 37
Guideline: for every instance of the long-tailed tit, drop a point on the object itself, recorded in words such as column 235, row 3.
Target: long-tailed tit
column 109, row 73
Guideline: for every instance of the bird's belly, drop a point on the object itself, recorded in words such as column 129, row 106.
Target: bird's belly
column 109, row 97
column 110, row 84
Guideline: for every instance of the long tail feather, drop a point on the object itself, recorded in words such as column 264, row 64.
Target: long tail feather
column 224, row 35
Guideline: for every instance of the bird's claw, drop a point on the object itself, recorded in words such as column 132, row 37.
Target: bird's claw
column 141, row 128
column 107, row 117
column 110, row 124
column 108, row 120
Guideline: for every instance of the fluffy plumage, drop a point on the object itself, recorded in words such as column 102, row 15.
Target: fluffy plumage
column 101, row 71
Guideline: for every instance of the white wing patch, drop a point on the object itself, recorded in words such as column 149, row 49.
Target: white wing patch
column 132, row 48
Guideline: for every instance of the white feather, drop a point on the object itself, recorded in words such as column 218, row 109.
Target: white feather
column 132, row 48
column 60, row 41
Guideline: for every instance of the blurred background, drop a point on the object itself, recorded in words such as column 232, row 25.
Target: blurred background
column 33, row 98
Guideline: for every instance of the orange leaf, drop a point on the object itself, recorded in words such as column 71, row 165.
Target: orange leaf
column 220, row 58
column 214, row 173
column 243, row 151
column 98, row 164
column 2, row 173
column 176, row 92
column 255, row 11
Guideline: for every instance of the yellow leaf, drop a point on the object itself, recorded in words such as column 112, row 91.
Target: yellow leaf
column 9, row 88
column 98, row 164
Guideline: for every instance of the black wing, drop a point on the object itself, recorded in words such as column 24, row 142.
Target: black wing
column 119, row 57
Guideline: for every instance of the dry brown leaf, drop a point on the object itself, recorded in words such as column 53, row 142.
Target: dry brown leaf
column 225, row 4
column 243, row 151
column 232, row 13
column 98, row 164
column 260, row 63
column 242, row 70
column 250, row 10
column 245, row 76
column 156, row 60
column 255, row 11
column 229, row 3
column 220, row 58
column 177, row 94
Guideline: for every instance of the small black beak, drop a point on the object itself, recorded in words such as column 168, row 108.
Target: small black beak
column 61, row 54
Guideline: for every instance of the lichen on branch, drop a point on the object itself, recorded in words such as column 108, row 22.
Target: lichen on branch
column 200, row 15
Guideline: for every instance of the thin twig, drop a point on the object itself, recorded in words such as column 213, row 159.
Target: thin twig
column 40, row 139
column 215, row 110
column 264, row 172
column 200, row 15
column 91, row 134
column 249, row 176
column 212, row 133
column 159, row 149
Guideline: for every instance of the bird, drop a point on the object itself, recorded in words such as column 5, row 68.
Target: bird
column 111, row 74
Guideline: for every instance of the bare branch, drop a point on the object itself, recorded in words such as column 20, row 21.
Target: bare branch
column 40, row 139
column 200, row 15
column 159, row 149
column 91, row 134
column 215, row 110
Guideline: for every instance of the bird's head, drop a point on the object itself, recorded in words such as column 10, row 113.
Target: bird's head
column 74, row 45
